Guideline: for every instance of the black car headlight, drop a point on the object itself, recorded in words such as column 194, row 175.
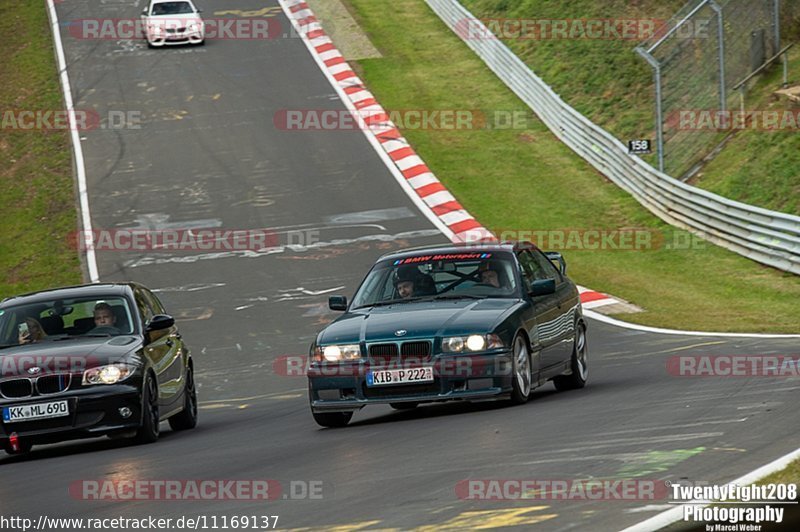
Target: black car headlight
column 109, row 374
column 337, row 353
column 471, row 343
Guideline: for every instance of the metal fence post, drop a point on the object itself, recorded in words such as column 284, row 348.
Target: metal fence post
column 659, row 119
column 723, row 100
column 776, row 6
column 659, row 105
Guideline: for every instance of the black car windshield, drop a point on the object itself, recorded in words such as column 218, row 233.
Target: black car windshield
column 60, row 319
column 172, row 8
column 466, row 274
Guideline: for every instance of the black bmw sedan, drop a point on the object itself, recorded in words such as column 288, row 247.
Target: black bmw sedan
column 85, row 361
column 450, row 323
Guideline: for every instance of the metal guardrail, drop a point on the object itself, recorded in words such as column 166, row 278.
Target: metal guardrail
column 768, row 237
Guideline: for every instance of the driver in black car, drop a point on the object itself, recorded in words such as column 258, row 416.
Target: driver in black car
column 104, row 318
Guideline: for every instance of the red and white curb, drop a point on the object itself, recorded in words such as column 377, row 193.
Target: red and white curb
column 431, row 193
column 591, row 299
column 422, row 186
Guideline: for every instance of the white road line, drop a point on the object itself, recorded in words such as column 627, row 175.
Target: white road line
column 145, row 260
column 83, row 191
column 657, row 330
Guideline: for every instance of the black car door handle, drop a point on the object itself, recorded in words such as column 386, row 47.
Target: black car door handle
column 170, row 343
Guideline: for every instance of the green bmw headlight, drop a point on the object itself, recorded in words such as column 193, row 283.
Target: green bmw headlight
column 337, row 353
column 471, row 343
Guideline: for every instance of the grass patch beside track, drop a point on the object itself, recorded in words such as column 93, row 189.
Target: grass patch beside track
column 760, row 167
column 788, row 475
column 36, row 183
column 527, row 180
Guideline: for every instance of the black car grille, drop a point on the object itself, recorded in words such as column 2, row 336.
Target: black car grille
column 50, row 384
column 176, row 30
column 406, row 390
column 384, row 353
column 44, row 385
column 14, row 388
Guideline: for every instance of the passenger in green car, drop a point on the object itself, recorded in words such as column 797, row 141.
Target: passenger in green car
column 490, row 277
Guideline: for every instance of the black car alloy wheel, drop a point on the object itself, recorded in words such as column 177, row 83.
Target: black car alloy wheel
column 187, row 418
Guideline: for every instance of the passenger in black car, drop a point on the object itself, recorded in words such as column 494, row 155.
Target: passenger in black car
column 35, row 332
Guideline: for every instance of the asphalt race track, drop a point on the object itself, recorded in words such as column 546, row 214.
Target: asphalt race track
column 208, row 155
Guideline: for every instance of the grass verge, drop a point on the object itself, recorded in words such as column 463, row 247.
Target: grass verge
column 524, row 179
column 37, row 199
column 788, row 475
column 760, row 167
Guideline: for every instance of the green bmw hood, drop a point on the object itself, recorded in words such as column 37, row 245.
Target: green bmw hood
column 423, row 319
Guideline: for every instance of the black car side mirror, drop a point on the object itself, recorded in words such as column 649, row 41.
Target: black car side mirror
column 543, row 287
column 144, row 11
column 337, row 303
column 159, row 322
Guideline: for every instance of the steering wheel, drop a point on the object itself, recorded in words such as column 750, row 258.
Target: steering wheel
column 105, row 329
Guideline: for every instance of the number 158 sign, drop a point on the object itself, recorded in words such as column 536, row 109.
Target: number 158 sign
column 640, row 147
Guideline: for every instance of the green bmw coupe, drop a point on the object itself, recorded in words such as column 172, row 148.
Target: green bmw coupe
column 450, row 323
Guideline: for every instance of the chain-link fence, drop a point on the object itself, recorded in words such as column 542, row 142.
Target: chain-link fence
column 698, row 57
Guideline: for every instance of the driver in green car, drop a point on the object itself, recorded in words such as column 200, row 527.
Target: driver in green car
column 405, row 282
